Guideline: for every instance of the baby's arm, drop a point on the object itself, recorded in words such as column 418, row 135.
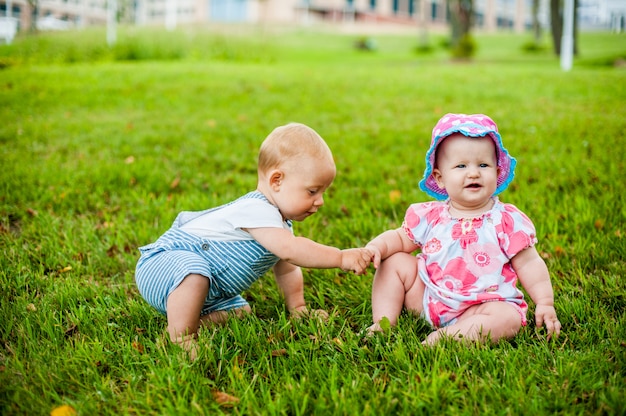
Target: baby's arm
column 390, row 242
column 291, row 283
column 304, row 252
column 534, row 276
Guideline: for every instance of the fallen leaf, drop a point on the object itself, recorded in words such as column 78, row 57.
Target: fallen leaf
column 32, row 212
column 395, row 195
column 129, row 160
column 599, row 224
column 65, row 269
column 279, row 352
column 31, row 307
column 137, row 346
column 112, row 251
column 175, row 183
column 65, row 410
column 225, row 399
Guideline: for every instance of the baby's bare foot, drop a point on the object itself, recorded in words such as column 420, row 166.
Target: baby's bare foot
column 320, row 314
column 373, row 330
column 189, row 344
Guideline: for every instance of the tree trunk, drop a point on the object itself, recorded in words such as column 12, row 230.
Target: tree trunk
column 34, row 14
column 461, row 19
column 556, row 21
column 536, row 24
column 576, row 27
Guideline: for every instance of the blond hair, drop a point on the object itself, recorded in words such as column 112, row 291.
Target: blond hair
column 291, row 142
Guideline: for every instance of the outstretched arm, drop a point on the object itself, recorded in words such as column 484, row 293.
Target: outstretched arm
column 534, row 276
column 303, row 252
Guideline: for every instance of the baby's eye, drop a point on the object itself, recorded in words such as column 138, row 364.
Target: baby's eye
column 313, row 191
column 460, row 166
column 484, row 165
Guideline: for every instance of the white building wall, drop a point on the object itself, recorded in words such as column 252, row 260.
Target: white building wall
column 516, row 14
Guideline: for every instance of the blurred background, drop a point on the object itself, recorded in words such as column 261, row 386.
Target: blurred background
column 458, row 17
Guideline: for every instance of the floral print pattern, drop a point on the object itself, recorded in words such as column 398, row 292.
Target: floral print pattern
column 464, row 262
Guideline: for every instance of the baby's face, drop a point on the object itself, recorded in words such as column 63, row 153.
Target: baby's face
column 301, row 191
column 467, row 169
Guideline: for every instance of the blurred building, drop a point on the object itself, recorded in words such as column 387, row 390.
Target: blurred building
column 600, row 14
column 490, row 15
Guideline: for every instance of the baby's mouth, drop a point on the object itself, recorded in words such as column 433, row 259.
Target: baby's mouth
column 473, row 185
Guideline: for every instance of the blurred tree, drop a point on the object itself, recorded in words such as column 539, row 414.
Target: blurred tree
column 536, row 23
column 461, row 42
column 34, row 14
column 556, row 21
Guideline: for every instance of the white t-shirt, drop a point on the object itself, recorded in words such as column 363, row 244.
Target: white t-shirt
column 225, row 223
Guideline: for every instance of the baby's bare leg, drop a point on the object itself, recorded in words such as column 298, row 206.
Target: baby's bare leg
column 483, row 322
column 183, row 311
column 396, row 285
column 185, row 304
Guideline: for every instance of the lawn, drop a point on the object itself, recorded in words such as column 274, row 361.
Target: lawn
column 101, row 147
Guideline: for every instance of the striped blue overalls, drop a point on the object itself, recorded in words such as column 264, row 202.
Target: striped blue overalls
column 231, row 266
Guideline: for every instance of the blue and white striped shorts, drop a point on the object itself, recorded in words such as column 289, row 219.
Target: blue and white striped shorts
column 159, row 274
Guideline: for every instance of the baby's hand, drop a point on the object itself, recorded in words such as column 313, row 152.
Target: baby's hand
column 375, row 254
column 355, row 259
column 546, row 314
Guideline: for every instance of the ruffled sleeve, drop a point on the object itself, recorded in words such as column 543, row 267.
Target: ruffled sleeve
column 516, row 232
column 420, row 219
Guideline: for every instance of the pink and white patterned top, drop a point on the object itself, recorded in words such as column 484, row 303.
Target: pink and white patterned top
column 464, row 262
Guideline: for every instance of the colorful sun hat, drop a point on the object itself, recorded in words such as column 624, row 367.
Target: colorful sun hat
column 472, row 125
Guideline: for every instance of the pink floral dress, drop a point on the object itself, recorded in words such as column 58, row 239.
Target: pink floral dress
column 464, row 262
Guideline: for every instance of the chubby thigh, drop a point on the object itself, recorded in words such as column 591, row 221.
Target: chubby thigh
column 159, row 275
column 495, row 319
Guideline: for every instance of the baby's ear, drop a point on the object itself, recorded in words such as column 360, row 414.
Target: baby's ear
column 275, row 178
column 437, row 177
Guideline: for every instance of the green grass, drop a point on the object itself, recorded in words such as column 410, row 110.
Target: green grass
column 101, row 148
